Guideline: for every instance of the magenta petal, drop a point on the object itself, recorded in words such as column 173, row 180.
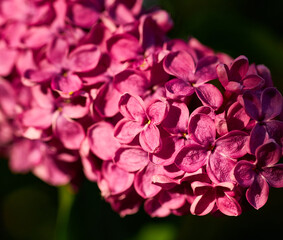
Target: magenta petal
column 252, row 105
column 272, row 103
column 244, row 173
column 253, row 82
column 131, row 159
column 143, row 181
column 150, row 139
column 257, row 137
column 228, row 205
column 118, row 179
column 222, row 73
column 126, row 130
column 239, row 68
column 202, row 129
column 206, row 69
column 177, row 118
column 274, row 175
column 157, row 111
column 176, row 88
column 69, row 132
column 66, row 85
column 237, row 119
column 180, row 64
column 203, row 204
column 84, row 58
column 170, row 147
column 209, row 95
column 84, row 15
column 268, row 154
column 220, row 168
column 191, row 158
column 132, row 107
column 257, row 194
column 123, row 47
column 233, row 144
column 38, row 118
column 131, row 81
column 101, row 137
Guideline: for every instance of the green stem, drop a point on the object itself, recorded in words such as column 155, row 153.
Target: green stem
column 66, row 199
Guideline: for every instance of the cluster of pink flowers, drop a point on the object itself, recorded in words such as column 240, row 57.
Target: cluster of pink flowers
column 95, row 88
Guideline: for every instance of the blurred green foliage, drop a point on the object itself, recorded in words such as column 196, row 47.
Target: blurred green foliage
column 29, row 207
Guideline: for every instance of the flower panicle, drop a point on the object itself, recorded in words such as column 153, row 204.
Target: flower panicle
column 98, row 88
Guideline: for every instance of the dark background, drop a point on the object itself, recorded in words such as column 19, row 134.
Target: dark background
column 28, row 206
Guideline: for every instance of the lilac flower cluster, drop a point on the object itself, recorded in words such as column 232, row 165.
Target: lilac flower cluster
column 95, row 88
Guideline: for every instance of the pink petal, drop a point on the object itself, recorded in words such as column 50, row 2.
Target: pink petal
column 220, row 168
column 118, row 179
column 101, row 137
column 274, row 175
column 38, row 118
column 244, row 173
column 131, row 159
column 57, row 51
column 228, row 205
column 32, row 152
column 66, row 85
column 201, row 188
column 180, row 64
column 131, row 81
column 70, row 133
column 123, row 47
column 126, row 130
column 84, row 58
column 233, row 144
column 77, row 106
column 191, row 158
column 257, row 194
column 177, row 88
column 209, row 95
column 132, row 107
column 203, row 204
column 106, row 101
column 153, row 207
column 38, row 76
column 150, row 139
column 272, row 103
column 268, row 154
column 157, row 111
column 7, row 61
column 143, row 181
column 202, row 129
column 51, row 171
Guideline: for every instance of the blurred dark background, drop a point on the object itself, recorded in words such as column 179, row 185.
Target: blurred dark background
column 28, row 207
